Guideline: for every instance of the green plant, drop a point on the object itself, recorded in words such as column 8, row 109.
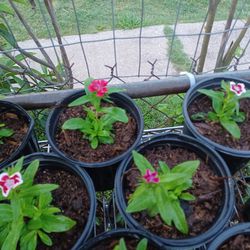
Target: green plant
column 26, row 212
column 226, row 107
column 98, row 124
column 142, row 245
column 160, row 191
column 5, row 132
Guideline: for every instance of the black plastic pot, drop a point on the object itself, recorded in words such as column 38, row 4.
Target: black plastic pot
column 54, row 162
column 214, row 160
column 119, row 233
column 243, row 228
column 102, row 173
column 235, row 159
column 29, row 144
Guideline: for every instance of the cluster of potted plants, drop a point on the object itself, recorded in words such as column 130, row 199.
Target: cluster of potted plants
column 174, row 191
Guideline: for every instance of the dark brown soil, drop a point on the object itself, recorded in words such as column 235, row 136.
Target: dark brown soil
column 20, row 128
column 239, row 242
column 72, row 143
column 215, row 132
column 131, row 244
column 72, row 198
column 207, row 188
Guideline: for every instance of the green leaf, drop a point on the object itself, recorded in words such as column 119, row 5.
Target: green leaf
column 45, row 200
column 35, row 224
column 87, row 83
column 6, row 9
column 116, row 113
column 121, row 246
column 141, row 199
column 106, row 140
column 187, row 167
column 20, row 1
column 219, row 96
column 217, row 105
column 37, row 190
column 177, row 214
column 56, row 223
column 4, row 231
column 29, row 241
column 14, row 234
column 187, row 197
column 6, row 132
column 115, row 90
column 6, row 214
column 94, row 143
column 30, row 173
column 171, row 181
column 45, row 238
column 4, row 33
column 164, row 167
column 200, row 116
column 240, row 117
column 16, row 207
column 142, row 245
column 17, row 167
column 212, row 116
column 232, row 127
column 141, row 162
column 80, row 101
column 51, row 210
column 74, row 123
column 161, row 205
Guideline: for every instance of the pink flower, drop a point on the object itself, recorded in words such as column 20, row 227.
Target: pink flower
column 238, row 89
column 9, row 182
column 99, row 86
column 151, row 177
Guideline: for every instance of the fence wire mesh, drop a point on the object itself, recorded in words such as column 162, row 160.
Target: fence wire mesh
column 50, row 45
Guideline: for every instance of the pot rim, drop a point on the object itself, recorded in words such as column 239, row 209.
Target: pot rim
column 86, row 180
column 241, row 228
column 189, row 98
column 221, row 219
column 54, row 114
column 119, row 233
column 30, row 123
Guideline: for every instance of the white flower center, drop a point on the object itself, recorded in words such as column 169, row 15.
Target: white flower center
column 9, row 183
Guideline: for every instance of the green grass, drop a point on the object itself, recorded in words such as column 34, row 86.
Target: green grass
column 178, row 57
column 96, row 15
column 164, row 115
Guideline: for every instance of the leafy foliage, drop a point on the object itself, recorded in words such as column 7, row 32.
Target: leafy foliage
column 27, row 214
column 226, row 108
column 5, row 132
column 98, row 124
column 164, row 197
column 142, row 245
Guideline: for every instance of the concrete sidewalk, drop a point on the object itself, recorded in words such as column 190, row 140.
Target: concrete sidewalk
column 99, row 49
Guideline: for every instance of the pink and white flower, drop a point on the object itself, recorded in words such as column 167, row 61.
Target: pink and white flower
column 151, row 177
column 100, row 86
column 7, row 183
column 238, row 88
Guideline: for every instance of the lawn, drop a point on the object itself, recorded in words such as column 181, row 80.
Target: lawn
column 96, row 15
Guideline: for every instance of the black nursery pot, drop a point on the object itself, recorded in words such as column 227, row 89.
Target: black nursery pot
column 215, row 162
column 235, row 159
column 120, row 233
column 29, row 143
column 240, row 229
column 51, row 161
column 102, row 173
